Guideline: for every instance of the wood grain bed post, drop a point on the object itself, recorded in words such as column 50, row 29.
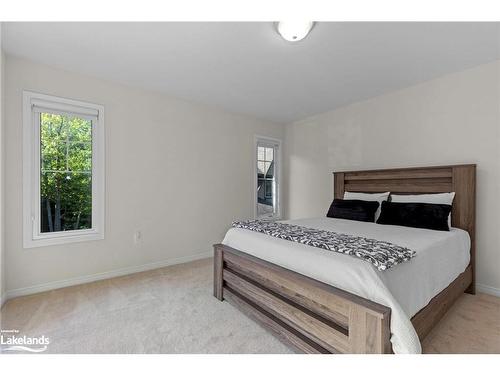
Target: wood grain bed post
column 464, row 186
column 338, row 181
column 369, row 331
column 218, row 268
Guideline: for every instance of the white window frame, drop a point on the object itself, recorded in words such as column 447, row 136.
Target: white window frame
column 271, row 142
column 32, row 236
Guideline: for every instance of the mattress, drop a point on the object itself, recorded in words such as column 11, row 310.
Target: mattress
column 406, row 288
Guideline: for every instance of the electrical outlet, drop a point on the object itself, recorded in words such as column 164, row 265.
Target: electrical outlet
column 137, row 237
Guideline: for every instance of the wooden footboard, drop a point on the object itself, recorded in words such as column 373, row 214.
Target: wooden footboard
column 312, row 316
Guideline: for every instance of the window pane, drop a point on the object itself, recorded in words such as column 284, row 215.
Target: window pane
column 261, row 168
column 265, row 206
column 269, row 192
column 270, row 170
column 53, row 154
column 265, row 193
column 80, row 130
column 66, row 201
column 267, row 202
column 267, row 165
column 80, row 157
column 65, row 176
column 261, row 154
column 269, row 154
column 261, row 190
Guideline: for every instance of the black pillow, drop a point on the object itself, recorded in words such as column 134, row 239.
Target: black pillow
column 417, row 215
column 353, row 209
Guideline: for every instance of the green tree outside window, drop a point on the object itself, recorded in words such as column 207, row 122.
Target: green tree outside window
column 65, row 173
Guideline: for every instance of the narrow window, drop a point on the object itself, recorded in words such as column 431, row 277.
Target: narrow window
column 63, row 170
column 267, row 178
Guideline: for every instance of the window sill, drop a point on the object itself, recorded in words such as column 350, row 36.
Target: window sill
column 62, row 240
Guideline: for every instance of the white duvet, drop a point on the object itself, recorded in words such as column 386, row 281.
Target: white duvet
column 406, row 288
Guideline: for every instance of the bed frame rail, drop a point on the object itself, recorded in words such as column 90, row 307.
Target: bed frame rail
column 312, row 316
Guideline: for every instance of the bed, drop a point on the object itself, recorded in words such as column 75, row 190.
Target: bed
column 325, row 302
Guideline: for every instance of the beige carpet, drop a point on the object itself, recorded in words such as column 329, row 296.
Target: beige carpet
column 171, row 310
column 472, row 325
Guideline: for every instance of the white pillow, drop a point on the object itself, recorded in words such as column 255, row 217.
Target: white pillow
column 439, row 198
column 376, row 197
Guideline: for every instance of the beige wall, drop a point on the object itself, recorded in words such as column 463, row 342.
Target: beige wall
column 453, row 119
column 177, row 171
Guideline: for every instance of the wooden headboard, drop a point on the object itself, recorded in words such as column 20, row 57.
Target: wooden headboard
column 421, row 180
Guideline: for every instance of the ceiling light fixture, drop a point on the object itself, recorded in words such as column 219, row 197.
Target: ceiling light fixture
column 293, row 31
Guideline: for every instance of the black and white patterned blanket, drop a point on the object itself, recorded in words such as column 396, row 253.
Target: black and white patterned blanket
column 383, row 255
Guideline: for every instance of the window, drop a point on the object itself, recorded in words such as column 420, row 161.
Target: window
column 267, row 178
column 63, row 176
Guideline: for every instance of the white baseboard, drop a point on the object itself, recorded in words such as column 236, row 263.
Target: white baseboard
column 481, row 288
column 101, row 276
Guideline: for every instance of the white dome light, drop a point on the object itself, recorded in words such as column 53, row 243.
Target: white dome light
column 293, row 31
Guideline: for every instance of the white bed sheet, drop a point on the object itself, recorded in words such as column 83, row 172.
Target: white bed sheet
column 405, row 288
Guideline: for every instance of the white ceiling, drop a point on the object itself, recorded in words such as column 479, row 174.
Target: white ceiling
column 247, row 68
